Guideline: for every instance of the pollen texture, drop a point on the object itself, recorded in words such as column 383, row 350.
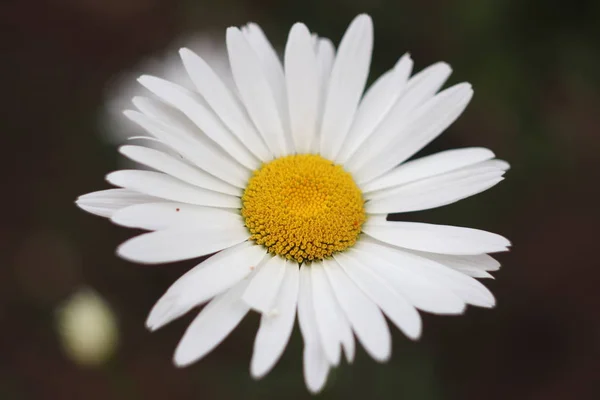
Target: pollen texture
column 303, row 207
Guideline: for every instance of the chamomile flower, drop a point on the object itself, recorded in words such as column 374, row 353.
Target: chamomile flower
column 289, row 178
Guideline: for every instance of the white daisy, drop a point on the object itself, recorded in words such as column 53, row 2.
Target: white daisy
column 289, row 178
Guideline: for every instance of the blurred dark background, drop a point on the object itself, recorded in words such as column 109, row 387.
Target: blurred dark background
column 535, row 67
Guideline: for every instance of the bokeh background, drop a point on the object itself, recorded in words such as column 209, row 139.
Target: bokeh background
column 534, row 65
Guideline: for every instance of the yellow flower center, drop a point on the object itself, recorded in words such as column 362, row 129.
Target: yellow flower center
column 303, row 207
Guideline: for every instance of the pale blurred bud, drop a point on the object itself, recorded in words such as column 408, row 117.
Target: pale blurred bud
column 87, row 328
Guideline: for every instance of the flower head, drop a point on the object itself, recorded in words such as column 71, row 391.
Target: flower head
column 289, row 177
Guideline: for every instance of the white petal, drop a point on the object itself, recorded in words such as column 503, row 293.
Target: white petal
column 468, row 289
column 375, row 106
column 200, row 152
column 432, row 238
column 105, row 203
column 264, row 286
column 424, row 85
column 434, row 192
column 427, row 122
column 500, row 164
column 181, row 243
column 165, row 113
column 270, row 63
column 346, row 84
column 484, row 169
column 481, row 261
column 324, row 308
column 325, row 55
column 153, row 140
column 475, row 273
column 420, row 291
column 419, row 89
column 157, row 144
column 192, row 106
column 364, row 316
column 306, row 312
column 174, row 121
column 255, row 91
column 303, row 87
column 347, row 338
column 174, row 125
column 332, row 325
column 392, row 303
column 276, row 327
column 315, row 366
column 166, row 187
column 209, row 278
column 224, row 103
column 473, row 265
column 211, row 326
column 425, row 167
column 157, row 216
column 171, row 166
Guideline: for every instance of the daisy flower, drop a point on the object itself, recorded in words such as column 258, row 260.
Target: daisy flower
column 288, row 178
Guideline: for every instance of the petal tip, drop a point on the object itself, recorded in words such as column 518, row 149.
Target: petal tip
column 257, row 371
column 406, row 57
column 299, row 25
column 415, row 333
column 144, row 79
column 185, row 52
column 137, row 100
column 179, row 361
column 385, row 356
column 151, row 326
column 232, row 30
column 364, row 18
column 110, row 178
column 123, row 251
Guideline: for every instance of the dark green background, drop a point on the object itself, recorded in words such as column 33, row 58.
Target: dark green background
column 535, row 69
